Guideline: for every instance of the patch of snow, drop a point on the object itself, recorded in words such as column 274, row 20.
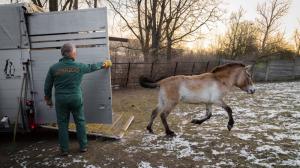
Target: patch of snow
column 243, row 136
column 149, row 138
column 214, row 152
column 225, row 163
column 91, row 166
column 291, row 162
column 178, row 145
column 23, row 164
column 144, row 164
column 295, row 137
column 247, row 155
column 76, row 160
column 269, row 126
column 277, row 149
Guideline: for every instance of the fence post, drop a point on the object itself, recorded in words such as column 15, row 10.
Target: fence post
column 115, row 63
column 267, row 71
column 175, row 68
column 294, row 70
column 193, row 68
column 151, row 71
column 253, row 69
column 207, row 64
column 128, row 71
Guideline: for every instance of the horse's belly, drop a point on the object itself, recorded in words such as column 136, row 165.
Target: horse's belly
column 209, row 95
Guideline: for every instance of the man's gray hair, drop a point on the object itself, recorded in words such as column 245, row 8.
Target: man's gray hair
column 66, row 49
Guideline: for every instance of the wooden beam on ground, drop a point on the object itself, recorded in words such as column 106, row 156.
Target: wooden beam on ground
column 115, row 131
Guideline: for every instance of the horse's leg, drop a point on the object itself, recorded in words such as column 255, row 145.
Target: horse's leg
column 206, row 117
column 229, row 112
column 153, row 116
column 163, row 117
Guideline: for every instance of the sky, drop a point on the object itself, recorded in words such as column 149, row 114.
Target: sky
column 288, row 22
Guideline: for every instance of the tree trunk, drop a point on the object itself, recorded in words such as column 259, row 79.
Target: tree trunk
column 169, row 49
column 37, row 2
column 95, row 3
column 53, row 5
column 75, row 5
column 155, row 39
column 264, row 42
column 147, row 56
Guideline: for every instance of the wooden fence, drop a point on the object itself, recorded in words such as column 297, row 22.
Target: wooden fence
column 277, row 70
column 127, row 74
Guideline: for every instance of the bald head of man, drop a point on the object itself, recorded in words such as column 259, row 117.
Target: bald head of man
column 68, row 50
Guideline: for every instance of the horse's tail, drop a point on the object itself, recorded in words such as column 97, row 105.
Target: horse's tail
column 147, row 82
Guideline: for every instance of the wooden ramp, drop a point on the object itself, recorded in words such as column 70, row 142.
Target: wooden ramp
column 121, row 123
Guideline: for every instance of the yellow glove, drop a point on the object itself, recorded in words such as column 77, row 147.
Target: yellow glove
column 107, row 64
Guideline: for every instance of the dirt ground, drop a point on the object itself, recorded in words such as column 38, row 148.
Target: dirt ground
column 266, row 134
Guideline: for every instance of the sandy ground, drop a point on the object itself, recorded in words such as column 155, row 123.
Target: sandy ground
column 266, row 134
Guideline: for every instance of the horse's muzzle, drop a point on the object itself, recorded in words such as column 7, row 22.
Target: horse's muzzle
column 251, row 90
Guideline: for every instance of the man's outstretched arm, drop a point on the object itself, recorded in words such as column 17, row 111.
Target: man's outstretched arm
column 87, row 68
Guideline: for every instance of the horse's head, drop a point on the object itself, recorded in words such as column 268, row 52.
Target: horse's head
column 244, row 80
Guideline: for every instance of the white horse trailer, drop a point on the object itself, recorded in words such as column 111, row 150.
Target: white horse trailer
column 30, row 43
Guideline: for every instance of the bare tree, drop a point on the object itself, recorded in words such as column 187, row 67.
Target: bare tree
column 238, row 42
column 162, row 23
column 235, row 22
column 268, row 20
column 37, row 2
column 62, row 5
column 240, row 39
column 53, row 5
column 92, row 3
column 143, row 18
column 184, row 19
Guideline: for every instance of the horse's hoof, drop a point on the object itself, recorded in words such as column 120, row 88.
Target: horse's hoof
column 229, row 127
column 150, row 130
column 170, row 133
column 196, row 121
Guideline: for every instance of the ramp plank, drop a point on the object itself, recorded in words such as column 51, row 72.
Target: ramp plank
column 117, row 130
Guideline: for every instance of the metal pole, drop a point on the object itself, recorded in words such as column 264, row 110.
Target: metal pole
column 193, row 68
column 19, row 110
column 151, row 71
column 128, row 73
column 23, row 113
column 267, row 71
column 294, row 70
column 175, row 68
column 207, row 64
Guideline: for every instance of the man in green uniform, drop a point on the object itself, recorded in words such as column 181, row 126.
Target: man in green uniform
column 66, row 76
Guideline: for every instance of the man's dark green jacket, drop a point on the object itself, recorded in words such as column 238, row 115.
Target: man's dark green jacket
column 66, row 76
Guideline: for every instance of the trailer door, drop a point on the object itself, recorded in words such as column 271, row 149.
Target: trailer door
column 87, row 29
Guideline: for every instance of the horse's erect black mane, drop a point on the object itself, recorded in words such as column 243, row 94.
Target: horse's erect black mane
column 229, row 65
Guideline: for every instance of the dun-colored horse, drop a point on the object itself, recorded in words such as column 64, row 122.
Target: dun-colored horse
column 208, row 88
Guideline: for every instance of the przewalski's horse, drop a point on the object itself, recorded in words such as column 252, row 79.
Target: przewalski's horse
column 208, row 88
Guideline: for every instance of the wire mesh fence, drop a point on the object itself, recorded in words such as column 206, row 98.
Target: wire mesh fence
column 126, row 75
